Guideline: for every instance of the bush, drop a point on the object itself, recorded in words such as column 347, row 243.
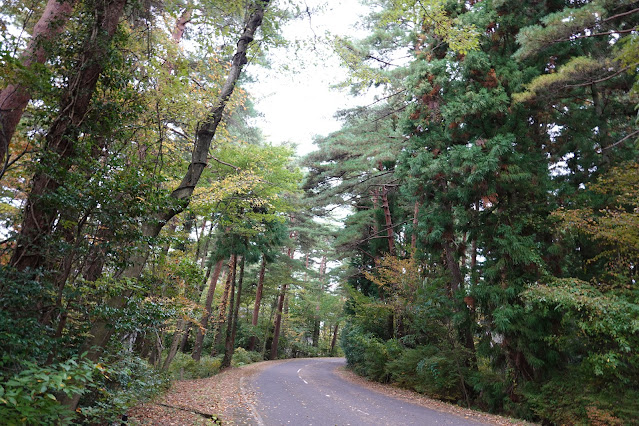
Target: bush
column 31, row 395
column 429, row 370
column 128, row 380
column 184, row 367
column 367, row 355
column 573, row 397
column 243, row 357
column 491, row 386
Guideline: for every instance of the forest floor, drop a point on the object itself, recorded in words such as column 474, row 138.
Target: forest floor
column 202, row 401
column 227, row 398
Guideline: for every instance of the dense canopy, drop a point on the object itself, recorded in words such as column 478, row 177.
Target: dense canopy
column 488, row 248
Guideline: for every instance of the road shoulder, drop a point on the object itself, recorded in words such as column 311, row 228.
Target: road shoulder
column 190, row 402
column 424, row 401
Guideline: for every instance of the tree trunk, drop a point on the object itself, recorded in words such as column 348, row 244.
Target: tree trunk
column 38, row 217
column 267, row 334
column 316, row 333
column 258, row 301
column 457, row 283
column 177, row 337
column 280, row 304
column 375, row 201
column 316, row 320
column 231, row 328
column 204, row 322
column 185, row 336
column 453, row 267
column 202, row 254
column 389, row 221
column 222, row 306
column 226, row 361
column 200, row 238
column 278, row 322
column 15, row 97
column 334, row 339
column 413, row 241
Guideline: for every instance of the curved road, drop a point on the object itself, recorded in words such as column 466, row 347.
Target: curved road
column 309, row 392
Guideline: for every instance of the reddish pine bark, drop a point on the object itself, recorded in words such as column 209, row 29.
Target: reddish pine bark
column 278, row 322
column 15, row 97
column 334, row 340
column 258, row 301
column 180, row 25
column 413, row 242
column 223, row 304
column 280, row 307
column 231, row 327
column 38, row 218
column 389, row 221
column 204, row 322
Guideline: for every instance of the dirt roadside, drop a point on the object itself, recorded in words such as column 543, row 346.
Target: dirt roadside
column 202, row 401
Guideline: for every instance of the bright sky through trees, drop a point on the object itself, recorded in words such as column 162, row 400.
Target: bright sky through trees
column 298, row 103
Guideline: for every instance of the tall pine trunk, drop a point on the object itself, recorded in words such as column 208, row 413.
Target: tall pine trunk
column 204, row 321
column 15, row 97
column 280, row 306
column 316, row 319
column 334, row 339
column 231, row 329
column 258, row 301
column 413, row 239
column 278, row 322
column 222, row 306
column 38, row 217
column 226, row 361
column 388, row 221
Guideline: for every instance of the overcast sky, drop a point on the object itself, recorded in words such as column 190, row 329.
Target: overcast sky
column 298, row 104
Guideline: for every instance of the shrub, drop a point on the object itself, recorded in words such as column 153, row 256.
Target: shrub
column 367, row 355
column 127, row 381
column 31, row 395
column 243, row 357
column 573, row 397
column 429, row 370
column 184, row 367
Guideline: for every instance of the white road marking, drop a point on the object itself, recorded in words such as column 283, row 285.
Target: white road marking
column 363, row 412
column 300, row 376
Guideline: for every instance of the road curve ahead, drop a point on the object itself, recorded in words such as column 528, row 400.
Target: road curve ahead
column 308, row 392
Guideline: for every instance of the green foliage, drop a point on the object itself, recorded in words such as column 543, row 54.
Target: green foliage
column 23, row 337
column 493, row 142
column 184, row 367
column 577, row 69
column 559, row 26
column 430, row 370
column 243, row 357
column 32, row 395
column 366, row 354
column 127, row 381
column 573, row 396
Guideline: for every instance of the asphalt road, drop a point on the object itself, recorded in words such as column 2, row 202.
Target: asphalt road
column 309, row 392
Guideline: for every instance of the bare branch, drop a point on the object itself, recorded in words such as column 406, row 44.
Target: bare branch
column 237, row 169
column 588, row 83
column 593, row 35
column 622, row 140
